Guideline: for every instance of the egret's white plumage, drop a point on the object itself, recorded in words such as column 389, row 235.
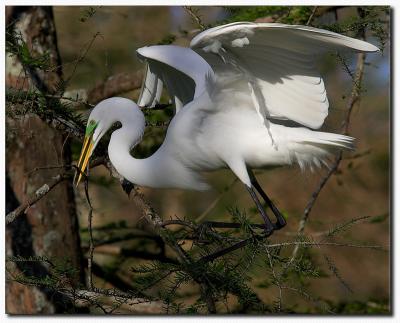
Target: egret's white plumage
column 246, row 96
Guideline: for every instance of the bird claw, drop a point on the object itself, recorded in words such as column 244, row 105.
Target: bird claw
column 278, row 225
column 268, row 231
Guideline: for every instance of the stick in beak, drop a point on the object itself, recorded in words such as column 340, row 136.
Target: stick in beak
column 86, row 152
column 84, row 157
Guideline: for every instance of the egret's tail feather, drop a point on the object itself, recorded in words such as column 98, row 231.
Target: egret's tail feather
column 332, row 140
column 318, row 148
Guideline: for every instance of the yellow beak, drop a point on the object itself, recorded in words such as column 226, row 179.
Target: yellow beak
column 84, row 157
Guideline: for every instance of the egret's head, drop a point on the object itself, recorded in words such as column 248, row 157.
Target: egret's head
column 103, row 116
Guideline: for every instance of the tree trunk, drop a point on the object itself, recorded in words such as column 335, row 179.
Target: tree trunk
column 50, row 227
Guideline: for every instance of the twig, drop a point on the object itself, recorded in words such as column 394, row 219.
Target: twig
column 312, row 16
column 222, row 252
column 355, row 96
column 195, row 17
column 309, row 298
column 91, row 245
column 37, row 196
column 184, row 258
column 221, row 225
column 277, row 279
column 63, row 97
column 115, row 84
column 103, row 297
column 215, row 202
column 345, row 66
column 43, row 191
column 335, row 244
column 81, row 57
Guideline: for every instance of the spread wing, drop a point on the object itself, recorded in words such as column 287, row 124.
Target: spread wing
column 277, row 61
column 181, row 70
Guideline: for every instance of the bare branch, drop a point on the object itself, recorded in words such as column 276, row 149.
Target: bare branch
column 116, row 84
column 355, row 96
column 316, row 243
column 81, row 57
column 121, row 301
column 183, row 256
column 37, row 196
column 215, row 202
column 43, row 191
column 196, row 17
column 91, row 245
column 310, row 19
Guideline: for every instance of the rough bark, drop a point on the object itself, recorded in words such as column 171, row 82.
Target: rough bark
column 50, row 227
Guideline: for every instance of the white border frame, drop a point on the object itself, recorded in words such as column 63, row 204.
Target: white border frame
column 395, row 153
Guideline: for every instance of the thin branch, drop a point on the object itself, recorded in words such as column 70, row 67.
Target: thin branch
column 224, row 251
column 215, row 202
column 310, row 19
column 115, row 84
column 37, row 196
column 183, row 256
column 278, row 282
column 91, row 245
column 63, row 97
column 81, row 57
column 195, row 16
column 355, row 96
column 309, row 298
column 316, row 243
column 111, row 298
column 42, row 192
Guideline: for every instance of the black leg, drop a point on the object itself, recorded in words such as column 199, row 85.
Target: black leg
column 269, row 227
column 281, row 222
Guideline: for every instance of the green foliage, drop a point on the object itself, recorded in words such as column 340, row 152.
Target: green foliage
column 20, row 103
column 167, row 40
column 16, row 46
column 370, row 18
column 373, row 306
column 344, row 226
column 252, row 13
column 379, row 218
column 88, row 13
column 60, row 272
column 282, row 14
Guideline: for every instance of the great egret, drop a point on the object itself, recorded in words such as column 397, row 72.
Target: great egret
column 247, row 96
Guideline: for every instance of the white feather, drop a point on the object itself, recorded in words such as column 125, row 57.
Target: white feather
column 280, row 57
column 234, row 84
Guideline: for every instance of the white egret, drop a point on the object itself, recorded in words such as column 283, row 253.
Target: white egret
column 247, row 96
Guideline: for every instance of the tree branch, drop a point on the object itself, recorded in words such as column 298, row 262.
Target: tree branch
column 91, row 245
column 43, row 191
column 195, row 16
column 116, row 84
column 310, row 19
column 355, row 96
column 37, row 196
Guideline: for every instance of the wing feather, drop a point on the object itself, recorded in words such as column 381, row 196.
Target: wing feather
column 180, row 69
column 279, row 60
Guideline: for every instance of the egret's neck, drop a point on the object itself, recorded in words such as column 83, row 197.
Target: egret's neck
column 122, row 141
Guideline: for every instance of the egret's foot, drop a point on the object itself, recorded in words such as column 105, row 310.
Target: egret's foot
column 268, row 232
column 281, row 221
column 269, row 226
